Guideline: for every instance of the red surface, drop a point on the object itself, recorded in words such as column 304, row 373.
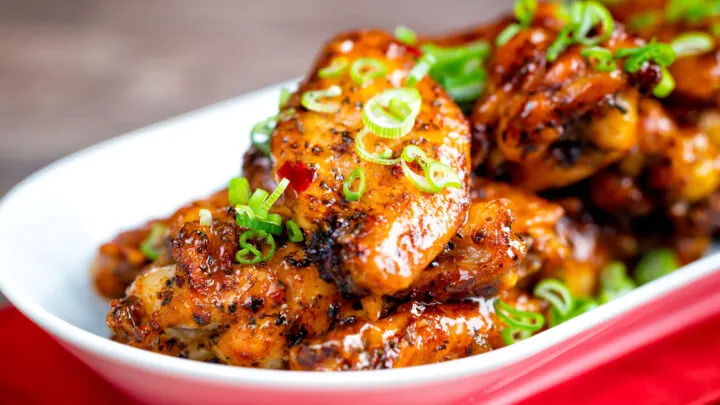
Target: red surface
column 681, row 369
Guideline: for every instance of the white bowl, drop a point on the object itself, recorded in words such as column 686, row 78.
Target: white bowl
column 53, row 222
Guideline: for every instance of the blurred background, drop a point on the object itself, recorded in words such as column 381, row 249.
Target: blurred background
column 76, row 72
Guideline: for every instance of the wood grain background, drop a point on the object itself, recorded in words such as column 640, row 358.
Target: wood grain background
column 75, row 72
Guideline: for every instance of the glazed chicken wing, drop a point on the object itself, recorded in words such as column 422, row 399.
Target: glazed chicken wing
column 382, row 242
column 415, row 334
column 697, row 76
column 546, row 124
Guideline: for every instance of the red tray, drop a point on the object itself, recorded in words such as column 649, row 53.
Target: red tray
column 681, row 369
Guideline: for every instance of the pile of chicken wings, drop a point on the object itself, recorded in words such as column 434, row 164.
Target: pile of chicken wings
column 564, row 169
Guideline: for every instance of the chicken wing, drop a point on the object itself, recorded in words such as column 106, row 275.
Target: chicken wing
column 547, row 124
column 415, row 334
column 382, row 242
column 697, row 76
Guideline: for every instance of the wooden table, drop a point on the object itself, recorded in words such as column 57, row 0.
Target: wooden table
column 75, row 72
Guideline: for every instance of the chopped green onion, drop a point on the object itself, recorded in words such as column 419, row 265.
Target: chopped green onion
column 392, row 124
column 365, row 70
column 604, row 59
column 562, row 41
column 239, row 191
column 405, row 35
column 336, row 67
column 518, row 319
column 467, row 87
column 525, row 11
column 445, row 56
column 644, row 20
column 256, row 200
column 614, row 282
column 295, row 234
column 440, row 176
column 354, row 195
column 557, row 294
column 660, row 53
column 310, row 99
column 382, row 158
column 655, row 264
column 242, row 209
column 284, row 97
column 150, row 247
column 261, row 132
column 666, row 85
column 507, row 34
column 586, row 15
column 692, row 43
column 270, row 225
column 420, row 70
column 512, row 335
column 265, row 206
column 582, row 305
column 691, row 11
column 248, row 248
column 205, row 217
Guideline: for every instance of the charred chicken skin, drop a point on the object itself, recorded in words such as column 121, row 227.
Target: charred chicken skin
column 381, row 243
column 547, row 124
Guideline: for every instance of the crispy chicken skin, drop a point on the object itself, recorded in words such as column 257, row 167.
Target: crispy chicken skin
column 415, row 334
column 549, row 124
column 559, row 244
column 697, row 77
column 383, row 242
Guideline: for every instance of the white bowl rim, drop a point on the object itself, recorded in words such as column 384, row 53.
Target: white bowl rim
column 298, row 380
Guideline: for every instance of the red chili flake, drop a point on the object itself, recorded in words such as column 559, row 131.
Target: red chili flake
column 413, row 50
column 299, row 174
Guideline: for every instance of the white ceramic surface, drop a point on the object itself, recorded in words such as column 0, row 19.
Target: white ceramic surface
column 53, row 222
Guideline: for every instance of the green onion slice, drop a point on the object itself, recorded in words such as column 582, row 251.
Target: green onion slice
column 270, row 224
column 666, row 85
column 405, row 35
column 420, row 70
column 518, row 319
column 585, row 16
column 466, row 88
column 239, row 191
column 561, row 42
column 365, row 70
column 525, row 11
column 265, row 206
column 392, row 114
column 507, row 34
column 336, row 68
column 662, row 54
column 248, row 248
column 655, row 264
column 295, row 234
column 512, row 335
column 205, row 217
column 310, row 100
column 354, row 195
column 440, row 175
column 152, row 245
column 383, row 158
column 614, row 282
column 445, row 56
column 692, row 43
column 604, row 59
column 256, row 200
column 557, row 294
